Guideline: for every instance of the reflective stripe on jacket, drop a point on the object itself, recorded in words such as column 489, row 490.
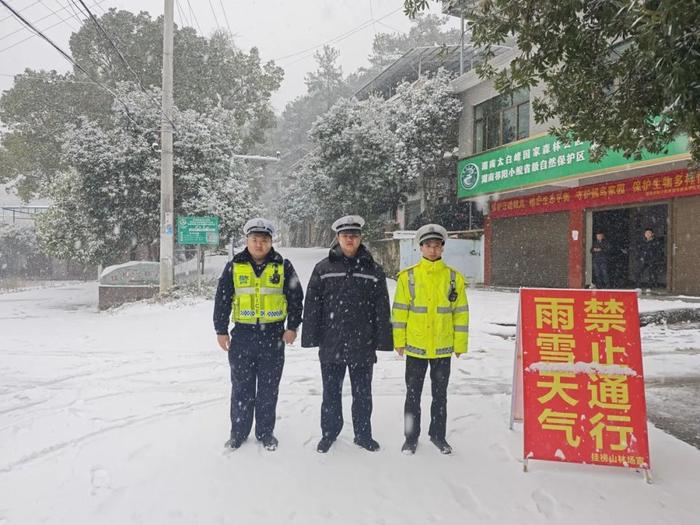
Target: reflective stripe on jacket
column 425, row 322
column 258, row 299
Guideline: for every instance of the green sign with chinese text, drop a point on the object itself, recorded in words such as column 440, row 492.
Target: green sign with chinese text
column 198, row 230
column 540, row 160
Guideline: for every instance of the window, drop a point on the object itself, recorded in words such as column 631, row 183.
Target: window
column 501, row 120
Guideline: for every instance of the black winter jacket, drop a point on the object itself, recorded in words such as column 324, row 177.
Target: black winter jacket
column 346, row 311
column 604, row 249
column 223, row 300
column 650, row 251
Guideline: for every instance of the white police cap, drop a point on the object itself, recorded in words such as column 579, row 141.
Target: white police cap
column 431, row 231
column 259, row 225
column 348, row 223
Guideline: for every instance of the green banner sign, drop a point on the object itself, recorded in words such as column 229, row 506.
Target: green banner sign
column 542, row 159
column 198, row 230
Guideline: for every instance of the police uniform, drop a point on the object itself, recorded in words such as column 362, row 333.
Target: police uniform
column 347, row 316
column 257, row 298
column 430, row 320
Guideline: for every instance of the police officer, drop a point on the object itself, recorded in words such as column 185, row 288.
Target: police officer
column 430, row 319
column 346, row 314
column 262, row 289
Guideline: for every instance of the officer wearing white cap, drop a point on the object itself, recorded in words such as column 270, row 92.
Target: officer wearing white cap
column 349, row 224
column 259, row 290
column 430, row 320
column 431, row 231
column 259, row 225
column 346, row 315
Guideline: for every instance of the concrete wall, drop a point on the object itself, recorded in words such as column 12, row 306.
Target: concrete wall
column 464, row 255
column 110, row 296
column 387, row 253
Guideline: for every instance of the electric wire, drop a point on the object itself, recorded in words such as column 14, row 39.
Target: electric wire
column 218, row 27
column 70, row 59
column 124, row 61
column 225, row 16
column 32, row 35
column 340, row 37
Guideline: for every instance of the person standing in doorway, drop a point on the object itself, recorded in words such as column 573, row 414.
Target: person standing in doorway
column 263, row 290
column 650, row 252
column 430, row 319
column 601, row 259
column 346, row 315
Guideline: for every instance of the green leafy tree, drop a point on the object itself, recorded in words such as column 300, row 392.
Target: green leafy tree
column 35, row 113
column 624, row 74
column 367, row 156
column 324, row 87
column 108, row 203
column 41, row 106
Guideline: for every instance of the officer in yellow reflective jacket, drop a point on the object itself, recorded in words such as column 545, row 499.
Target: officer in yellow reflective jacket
column 259, row 290
column 430, row 321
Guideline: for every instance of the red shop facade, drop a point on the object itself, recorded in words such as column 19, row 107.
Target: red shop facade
column 545, row 239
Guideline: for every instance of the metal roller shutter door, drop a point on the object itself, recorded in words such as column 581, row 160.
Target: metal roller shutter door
column 531, row 250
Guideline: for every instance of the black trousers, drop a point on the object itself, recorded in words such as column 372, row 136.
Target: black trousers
column 601, row 277
column 415, row 376
column 256, row 358
column 332, row 406
column 652, row 270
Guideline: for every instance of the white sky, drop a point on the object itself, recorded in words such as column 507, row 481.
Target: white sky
column 279, row 28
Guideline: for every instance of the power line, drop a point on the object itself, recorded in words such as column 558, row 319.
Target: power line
column 194, row 17
column 340, row 37
column 121, row 57
column 102, row 63
column 20, row 10
column 214, row 13
column 183, row 22
column 61, row 21
column 70, row 59
column 8, row 35
column 225, row 16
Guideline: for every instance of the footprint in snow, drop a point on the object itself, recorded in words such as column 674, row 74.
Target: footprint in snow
column 100, row 481
column 546, row 504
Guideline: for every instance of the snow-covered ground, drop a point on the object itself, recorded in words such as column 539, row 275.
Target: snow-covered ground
column 120, row 417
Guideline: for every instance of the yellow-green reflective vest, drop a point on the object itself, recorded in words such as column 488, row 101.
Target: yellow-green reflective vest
column 426, row 323
column 258, row 299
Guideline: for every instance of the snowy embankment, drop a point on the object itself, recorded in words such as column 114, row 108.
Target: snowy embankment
column 120, row 417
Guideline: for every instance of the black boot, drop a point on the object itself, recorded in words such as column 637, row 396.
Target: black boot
column 409, row 446
column 324, row 445
column 442, row 445
column 269, row 442
column 234, row 443
column 367, row 444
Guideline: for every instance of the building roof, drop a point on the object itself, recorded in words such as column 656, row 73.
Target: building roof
column 415, row 62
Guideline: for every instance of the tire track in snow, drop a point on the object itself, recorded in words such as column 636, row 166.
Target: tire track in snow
column 127, row 423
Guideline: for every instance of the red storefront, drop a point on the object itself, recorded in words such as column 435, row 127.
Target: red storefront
column 544, row 239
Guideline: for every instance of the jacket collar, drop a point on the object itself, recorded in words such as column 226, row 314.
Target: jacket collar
column 336, row 254
column 431, row 265
column 244, row 257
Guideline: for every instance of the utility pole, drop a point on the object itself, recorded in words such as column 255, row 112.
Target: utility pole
column 461, row 41
column 167, row 273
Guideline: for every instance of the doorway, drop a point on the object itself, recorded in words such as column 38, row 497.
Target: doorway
column 624, row 230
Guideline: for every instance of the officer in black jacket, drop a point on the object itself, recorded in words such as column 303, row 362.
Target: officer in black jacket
column 347, row 315
column 263, row 290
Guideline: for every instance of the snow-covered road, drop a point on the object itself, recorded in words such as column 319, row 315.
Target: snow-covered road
column 120, row 417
